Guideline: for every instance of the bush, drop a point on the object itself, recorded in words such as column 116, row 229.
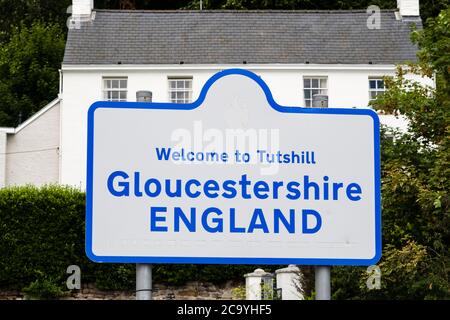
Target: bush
column 42, row 232
column 44, row 289
column 408, row 272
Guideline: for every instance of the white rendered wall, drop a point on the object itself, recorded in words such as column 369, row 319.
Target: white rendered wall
column 32, row 154
column 348, row 87
column 3, row 143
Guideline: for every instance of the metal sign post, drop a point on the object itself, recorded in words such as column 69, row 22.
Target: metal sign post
column 144, row 271
column 323, row 282
column 143, row 281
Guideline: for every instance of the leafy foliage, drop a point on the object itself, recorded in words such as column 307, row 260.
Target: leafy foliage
column 410, row 271
column 405, row 274
column 239, row 293
column 415, row 181
column 211, row 273
column 44, row 289
column 26, row 12
column 42, row 232
column 29, row 64
column 434, row 42
column 428, row 8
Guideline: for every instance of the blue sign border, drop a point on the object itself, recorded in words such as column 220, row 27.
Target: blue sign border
column 222, row 260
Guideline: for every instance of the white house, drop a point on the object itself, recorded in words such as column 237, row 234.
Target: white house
column 112, row 54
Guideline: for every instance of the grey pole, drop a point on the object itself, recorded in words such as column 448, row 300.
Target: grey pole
column 323, row 282
column 144, row 271
column 143, row 281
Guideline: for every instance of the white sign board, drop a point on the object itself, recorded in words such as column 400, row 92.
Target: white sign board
column 232, row 178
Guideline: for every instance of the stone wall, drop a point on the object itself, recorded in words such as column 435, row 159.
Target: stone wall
column 190, row 291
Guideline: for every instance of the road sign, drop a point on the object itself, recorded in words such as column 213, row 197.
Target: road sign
column 232, row 178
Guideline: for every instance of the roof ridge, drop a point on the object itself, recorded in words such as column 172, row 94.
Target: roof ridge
column 241, row 11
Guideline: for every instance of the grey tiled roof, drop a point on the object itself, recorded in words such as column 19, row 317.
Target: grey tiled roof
column 231, row 37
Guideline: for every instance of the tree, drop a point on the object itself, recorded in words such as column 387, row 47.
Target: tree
column 17, row 12
column 415, row 180
column 425, row 157
column 434, row 53
column 141, row 4
column 428, row 8
column 29, row 64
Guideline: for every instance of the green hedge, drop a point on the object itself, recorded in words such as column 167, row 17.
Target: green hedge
column 42, row 232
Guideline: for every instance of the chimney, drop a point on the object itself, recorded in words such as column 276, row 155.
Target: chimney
column 82, row 8
column 144, row 96
column 408, row 8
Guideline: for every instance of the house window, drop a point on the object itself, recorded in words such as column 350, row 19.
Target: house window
column 312, row 86
column 180, row 90
column 115, row 89
column 376, row 88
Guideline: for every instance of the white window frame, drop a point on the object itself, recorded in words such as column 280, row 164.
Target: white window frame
column 319, row 88
column 120, row 89
column 185, row 90
column 377, row 90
